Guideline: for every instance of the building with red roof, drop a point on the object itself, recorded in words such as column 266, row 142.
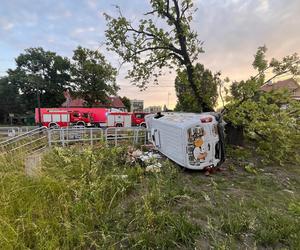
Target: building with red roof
column 112, row 102
column 290, row 84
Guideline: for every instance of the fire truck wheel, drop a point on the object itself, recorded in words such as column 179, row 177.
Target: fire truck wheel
column 53, row 125
column 80, row 124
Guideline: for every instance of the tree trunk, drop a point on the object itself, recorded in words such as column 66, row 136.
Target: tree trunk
column 187, row 61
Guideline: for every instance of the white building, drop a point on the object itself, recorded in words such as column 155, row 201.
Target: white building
column 153, row 109
column 136, row 105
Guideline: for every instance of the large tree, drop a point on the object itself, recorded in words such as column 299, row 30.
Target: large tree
column 151, row 47
column 93, row 77
column 9, row 99
column 40, row 72
column 206, row 83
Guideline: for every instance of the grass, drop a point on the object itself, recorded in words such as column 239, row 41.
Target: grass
column 93, row 198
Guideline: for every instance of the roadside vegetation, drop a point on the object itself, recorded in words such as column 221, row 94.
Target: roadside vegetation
column 95, row 199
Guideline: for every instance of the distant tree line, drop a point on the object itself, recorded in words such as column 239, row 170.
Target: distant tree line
column 46, row 74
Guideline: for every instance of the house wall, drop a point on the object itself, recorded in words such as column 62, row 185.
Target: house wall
column 296, row 94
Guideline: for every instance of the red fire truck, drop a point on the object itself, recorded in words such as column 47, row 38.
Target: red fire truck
column 63, row 117
column 99, row 117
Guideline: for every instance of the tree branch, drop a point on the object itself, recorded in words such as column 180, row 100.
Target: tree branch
column 184, row 10
column 278, row 74
column 177, row 10
column 150, row 12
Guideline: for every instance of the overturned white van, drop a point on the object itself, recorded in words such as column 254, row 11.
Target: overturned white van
column 194, row 141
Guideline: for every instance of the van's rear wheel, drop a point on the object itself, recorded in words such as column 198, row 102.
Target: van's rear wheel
column 144, row 125
column 119, row 125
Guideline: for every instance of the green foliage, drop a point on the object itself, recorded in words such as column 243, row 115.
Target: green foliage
column 150, row 47
column 43, row 71
column 154, row 46
column 9, row 98
column 260, row 63
column 207, row 85
column 126, row 102
column 270, row 119
column 89, row 75
column 274, row 128
column 92, row 199
column 93, row 76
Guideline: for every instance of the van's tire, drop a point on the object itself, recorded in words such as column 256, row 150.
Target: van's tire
column 144, row 125
column 119, row 125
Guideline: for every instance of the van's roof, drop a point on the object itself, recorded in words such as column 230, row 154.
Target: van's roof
column 183, row 120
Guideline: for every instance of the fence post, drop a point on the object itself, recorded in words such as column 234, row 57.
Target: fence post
column 136, row 137
column 49, row 137
column 62, row 137
column 91, row 136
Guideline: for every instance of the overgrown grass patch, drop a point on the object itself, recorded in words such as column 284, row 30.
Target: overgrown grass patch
column 91, row 198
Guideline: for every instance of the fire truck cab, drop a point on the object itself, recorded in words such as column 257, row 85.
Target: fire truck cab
column 138, row 119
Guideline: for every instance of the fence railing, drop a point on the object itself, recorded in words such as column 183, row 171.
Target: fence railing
column 26, row 142
column 38, row 139
column 133, row 135
column 9, row 132
column 67, row 136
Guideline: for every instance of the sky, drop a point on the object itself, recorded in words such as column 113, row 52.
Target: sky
column 231, row 30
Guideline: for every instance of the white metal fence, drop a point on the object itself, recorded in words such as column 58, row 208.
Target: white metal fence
column 112, row 136
column 42, row 137
column 25, row 142
column 67, row 136
column 133, row 135
column 9, row 132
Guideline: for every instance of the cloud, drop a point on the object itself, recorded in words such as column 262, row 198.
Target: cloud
column 59, row 15
column 6, row 25
column 82, row 30
column 231, row 30
column 92, row 3
column 263, row 6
